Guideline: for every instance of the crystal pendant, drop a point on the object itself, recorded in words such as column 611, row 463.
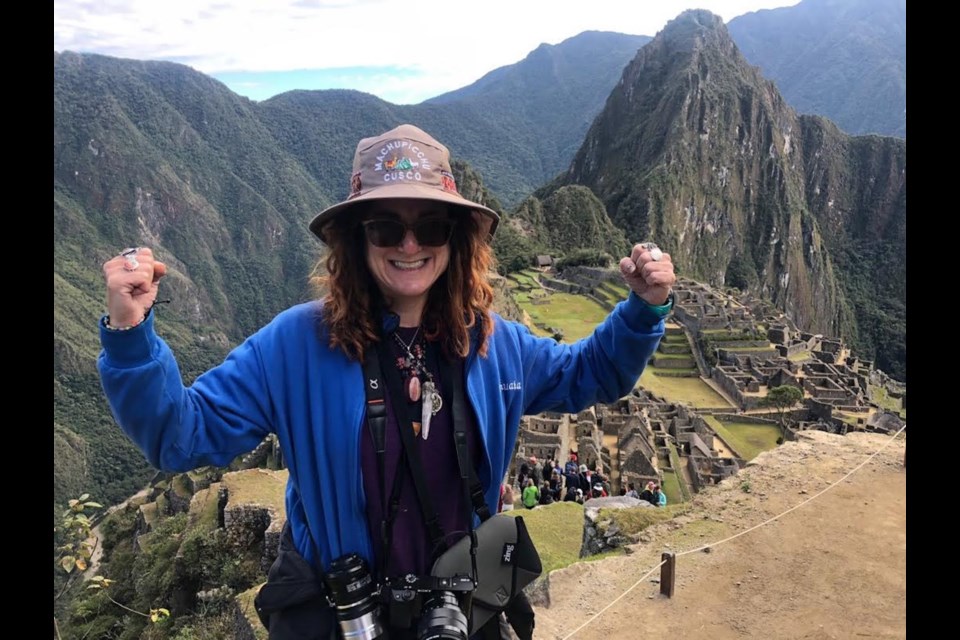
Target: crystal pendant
column 413, row 388
column 431, row 406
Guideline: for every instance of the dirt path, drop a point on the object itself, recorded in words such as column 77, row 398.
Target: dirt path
column 94, row 564
column 832, row 568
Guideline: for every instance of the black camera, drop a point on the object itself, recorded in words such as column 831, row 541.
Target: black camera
column 442, row 605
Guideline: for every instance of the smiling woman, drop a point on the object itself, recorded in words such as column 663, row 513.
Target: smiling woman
column 396, row 398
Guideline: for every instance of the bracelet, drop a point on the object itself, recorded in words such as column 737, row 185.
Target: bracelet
column 106, row 324
column 663, row 310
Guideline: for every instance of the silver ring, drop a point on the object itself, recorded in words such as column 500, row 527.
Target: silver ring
column 655, row 252
column 130, row 262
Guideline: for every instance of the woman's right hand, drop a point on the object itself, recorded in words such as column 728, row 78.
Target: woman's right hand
column 132, row 280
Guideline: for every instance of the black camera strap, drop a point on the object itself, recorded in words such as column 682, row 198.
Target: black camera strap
column 377, row 422
column 468, row 474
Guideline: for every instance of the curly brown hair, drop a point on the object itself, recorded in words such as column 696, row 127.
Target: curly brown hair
column 458, row 301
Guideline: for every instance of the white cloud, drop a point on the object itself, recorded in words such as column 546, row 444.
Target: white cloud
column 452, row 44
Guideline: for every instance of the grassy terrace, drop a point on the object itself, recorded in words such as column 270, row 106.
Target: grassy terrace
column 692, row 391
column 671, row 487
column 576, row 316
column 675, row 463
column 257, row 486
column 556, row 530
column 884, row 401
column 749, row 440
column 203, row 508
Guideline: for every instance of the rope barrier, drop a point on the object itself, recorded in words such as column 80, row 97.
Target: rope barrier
column 597, row 614
column 737, row 535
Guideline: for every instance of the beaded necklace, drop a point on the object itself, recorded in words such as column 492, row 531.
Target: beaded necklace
column 413, row 366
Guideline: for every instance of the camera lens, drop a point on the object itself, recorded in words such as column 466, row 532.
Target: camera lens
column 441, row 618
column 354, row 593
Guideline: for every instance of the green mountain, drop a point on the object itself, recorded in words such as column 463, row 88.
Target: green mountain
column 696, row 150
column 843, row 59
column 159, row 155
column 518, row 125
column 549, row 100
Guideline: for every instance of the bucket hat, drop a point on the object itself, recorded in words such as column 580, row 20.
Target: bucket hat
column 405, row 162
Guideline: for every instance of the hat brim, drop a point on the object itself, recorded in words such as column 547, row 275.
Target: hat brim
column 487, row 218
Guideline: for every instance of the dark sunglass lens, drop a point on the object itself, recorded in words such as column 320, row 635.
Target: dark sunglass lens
column 385, row 233
column 433, row 233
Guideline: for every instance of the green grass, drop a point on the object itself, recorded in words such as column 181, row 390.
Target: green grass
column 556, row 530
column 671, row 487
column 257, row 486
column 576, row 316
column 245, row 602
column 525, row 278
column 149, row 512
column 203, row 508
column 884, row 401
column 803, row 356
column 749, row 440
column 692, row 391
column 675, row 463
column 180, row 485
column 633, row 521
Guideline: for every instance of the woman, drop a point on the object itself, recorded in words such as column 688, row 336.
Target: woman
column 658, row 498
column 406, row 285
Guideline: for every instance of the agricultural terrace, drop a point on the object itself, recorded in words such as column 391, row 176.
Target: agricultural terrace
column 748, row 440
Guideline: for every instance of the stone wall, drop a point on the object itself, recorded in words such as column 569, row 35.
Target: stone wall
column 543, row 425
column 600, row 535
column 258, row 457
column 246, row 524
column 748, row 419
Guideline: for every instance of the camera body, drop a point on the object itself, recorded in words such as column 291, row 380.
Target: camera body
column 363, row 607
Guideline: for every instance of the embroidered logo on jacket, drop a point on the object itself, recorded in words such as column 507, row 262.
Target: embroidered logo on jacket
column 511, row 386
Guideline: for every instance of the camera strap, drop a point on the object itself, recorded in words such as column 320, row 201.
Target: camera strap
column 468, row 475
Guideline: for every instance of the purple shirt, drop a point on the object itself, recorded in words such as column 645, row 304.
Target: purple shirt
column 410, row 543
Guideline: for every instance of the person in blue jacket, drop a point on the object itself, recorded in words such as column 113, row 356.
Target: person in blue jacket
column 406, row 275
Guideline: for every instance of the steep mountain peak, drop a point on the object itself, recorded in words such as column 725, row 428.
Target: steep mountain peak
column 696, row 150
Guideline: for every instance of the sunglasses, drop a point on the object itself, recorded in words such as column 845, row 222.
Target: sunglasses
column 432, row 232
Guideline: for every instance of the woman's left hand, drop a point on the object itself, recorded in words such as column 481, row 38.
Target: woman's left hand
column 648, row 278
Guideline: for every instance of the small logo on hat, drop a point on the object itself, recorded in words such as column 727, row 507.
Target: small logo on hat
column 355, row 185
column 447, row 181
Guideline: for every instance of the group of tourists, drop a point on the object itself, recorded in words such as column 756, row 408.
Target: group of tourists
column 542, row 483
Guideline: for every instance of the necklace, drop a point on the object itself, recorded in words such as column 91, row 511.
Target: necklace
column 413, row 366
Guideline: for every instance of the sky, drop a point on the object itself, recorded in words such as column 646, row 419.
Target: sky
column 403, row 51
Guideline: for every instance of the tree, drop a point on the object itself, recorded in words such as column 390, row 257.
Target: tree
column 782, row 398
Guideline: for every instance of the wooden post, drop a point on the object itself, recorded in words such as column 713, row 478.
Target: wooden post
column 668, row 573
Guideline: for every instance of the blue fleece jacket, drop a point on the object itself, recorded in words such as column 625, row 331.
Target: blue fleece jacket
column 285, row 379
